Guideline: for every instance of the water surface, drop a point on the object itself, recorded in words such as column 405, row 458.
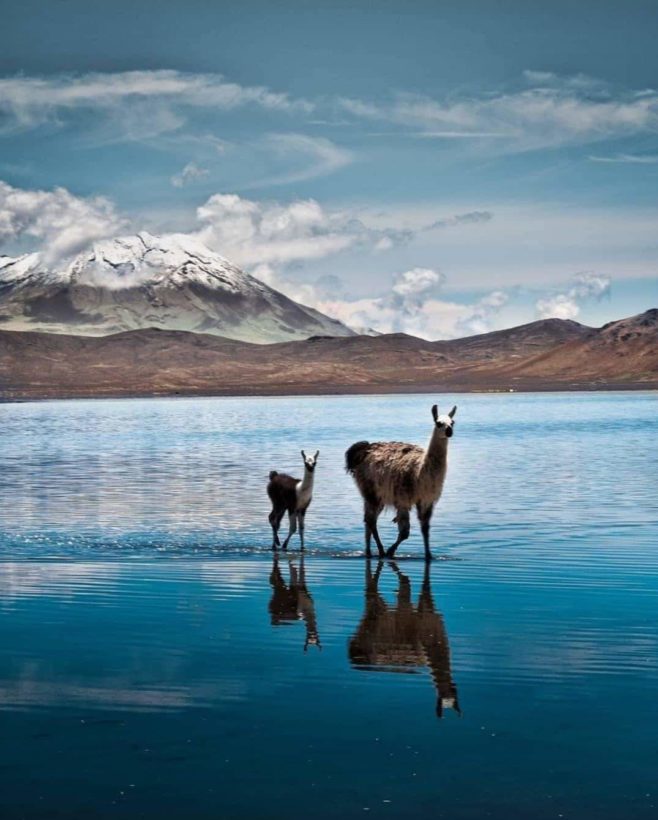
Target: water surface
column 157, row 661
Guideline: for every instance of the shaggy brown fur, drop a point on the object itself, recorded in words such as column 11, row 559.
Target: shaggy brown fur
column 403, row 638
column 400, row 475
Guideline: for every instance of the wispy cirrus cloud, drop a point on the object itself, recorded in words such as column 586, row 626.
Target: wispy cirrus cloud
column 627, row 159
column 319, row 156
column 542, row 110
column 149, row 102
column 547, row 111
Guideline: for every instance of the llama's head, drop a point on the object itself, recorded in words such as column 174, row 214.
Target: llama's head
column 444, row 424
column 310, row 461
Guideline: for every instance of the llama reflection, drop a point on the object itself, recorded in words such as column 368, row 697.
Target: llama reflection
column 291, row 602
column 404, row 638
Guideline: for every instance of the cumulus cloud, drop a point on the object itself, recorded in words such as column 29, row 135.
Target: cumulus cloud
column 433, row 318
column 149, row 102
column 253, row 232
column 268, row 237
column 548, row 111
column 412, row 283
column 62, row 223
column 567, row 304
column 189, row 173
column 413, row 305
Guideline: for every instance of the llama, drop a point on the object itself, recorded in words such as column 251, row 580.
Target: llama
column 293, row 602
column 293, row 496
column 394, row 474
column 404, row 638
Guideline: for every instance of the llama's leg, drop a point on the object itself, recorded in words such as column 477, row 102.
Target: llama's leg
column 368, row 531
column 301, row 515
column 292, row 530
column 275, row 522
column 403, row 531
column 425, row 516
column 370, row 516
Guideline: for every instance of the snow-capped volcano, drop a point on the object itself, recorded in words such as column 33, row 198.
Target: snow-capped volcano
column 133, row 282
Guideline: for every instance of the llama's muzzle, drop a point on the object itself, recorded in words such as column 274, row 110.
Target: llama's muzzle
column 448, row 432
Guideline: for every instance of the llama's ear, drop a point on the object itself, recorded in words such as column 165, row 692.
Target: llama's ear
column 435, row 412
column 303, row 455
column 317, row 453
column 452, row 412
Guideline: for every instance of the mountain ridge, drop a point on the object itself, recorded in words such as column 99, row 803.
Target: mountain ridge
column 550, row 354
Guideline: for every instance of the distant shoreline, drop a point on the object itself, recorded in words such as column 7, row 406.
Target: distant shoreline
column 335, row 390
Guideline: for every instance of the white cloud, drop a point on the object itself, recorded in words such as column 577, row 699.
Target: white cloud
column 433, row 319
column 413, row 305
column 566, row 304
column 253, row 232
column 146, row 102
column 412, row 283
column 631, row 159
column 189, row 173
column 544, row 110
column 62, row 223
column 321, row 157
column 554, row 111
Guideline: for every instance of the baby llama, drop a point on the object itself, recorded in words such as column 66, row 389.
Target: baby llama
column 293, row 496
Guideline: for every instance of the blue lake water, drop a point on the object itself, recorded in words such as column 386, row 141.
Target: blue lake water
column 157, row 661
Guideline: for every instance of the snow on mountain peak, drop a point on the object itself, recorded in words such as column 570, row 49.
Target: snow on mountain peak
column 131, row 261
column 172, row 281
column 171, row 259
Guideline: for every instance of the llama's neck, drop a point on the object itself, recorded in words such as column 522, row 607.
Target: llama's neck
column 436, row 454
column 307, row 482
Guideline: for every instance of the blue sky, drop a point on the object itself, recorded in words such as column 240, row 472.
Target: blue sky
column 439, row 168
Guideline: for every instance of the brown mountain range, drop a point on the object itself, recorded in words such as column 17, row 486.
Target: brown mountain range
column 544, row 355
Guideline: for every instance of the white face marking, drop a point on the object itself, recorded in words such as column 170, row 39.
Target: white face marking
column 444, row 423
column 311, row 461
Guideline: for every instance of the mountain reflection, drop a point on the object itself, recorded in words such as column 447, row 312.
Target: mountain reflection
column 291, row 602
column 404, row 638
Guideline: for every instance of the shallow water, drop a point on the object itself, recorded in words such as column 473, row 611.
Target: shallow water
column 156, row 661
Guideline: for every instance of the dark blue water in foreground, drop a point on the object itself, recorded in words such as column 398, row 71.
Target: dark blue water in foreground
column 155, row 661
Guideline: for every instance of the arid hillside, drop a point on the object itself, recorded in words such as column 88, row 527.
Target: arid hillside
column 551, row 354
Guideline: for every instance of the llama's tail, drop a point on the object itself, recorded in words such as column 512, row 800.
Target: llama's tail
column 355, row 455
column 273, row 475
